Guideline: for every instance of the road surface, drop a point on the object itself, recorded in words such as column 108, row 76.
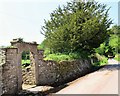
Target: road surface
column 103, row 81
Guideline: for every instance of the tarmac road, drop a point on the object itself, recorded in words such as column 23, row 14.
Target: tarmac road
column 103, row 81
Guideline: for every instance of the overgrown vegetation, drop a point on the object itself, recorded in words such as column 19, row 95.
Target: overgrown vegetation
column 100, row 59
column 75, row 30
column 25, row 59
column 117, row 57
column 65, row 57
column 111, row 46
column 25, row 63
column 76, row 27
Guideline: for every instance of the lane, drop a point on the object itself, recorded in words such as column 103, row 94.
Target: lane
column 104, row 81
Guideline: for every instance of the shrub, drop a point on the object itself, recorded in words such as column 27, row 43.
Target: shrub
column 62, row 57
column 117, row 57
column 25, row 63
column 102, row 60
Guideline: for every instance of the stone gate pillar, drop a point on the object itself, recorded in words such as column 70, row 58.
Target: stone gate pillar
column 36, row 69
column 19, row 72
column 39, row 62
column 8, row 71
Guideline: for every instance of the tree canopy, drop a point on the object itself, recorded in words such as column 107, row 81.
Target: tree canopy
column 111, row 44
column 77, row 26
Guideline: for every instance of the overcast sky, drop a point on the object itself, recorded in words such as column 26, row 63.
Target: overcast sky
column 24, row 18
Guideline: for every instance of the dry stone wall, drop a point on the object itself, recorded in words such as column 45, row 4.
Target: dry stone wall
column 8, row 71
column 53, row 73
column 48, row 72
column 28, row 76
column 40, row 73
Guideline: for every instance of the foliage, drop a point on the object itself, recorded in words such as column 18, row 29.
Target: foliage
column 115, row 30
column 111, row 45
column 25, row 55
column 57, row 57
column 63, row 57
column 115, row 37
column 42, row 45
column 102, row 60
column 25, row 59
column 20, row 39
column 117, row 57
column 77, row 26
column 25, row 63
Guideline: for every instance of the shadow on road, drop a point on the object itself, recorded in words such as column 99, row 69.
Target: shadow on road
column 111, row 67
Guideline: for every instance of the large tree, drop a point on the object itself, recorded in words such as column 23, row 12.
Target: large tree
column 77, row 26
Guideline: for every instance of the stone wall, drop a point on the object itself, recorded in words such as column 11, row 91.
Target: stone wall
column 33, row 73
column 41, row 72
column 10, row 66
column 53, row 73
column 28, row 76
column 28, row 73
column 48, row 72
column 8, row 71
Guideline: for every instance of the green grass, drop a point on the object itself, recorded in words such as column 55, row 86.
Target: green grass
column 62, row 57
column 25, row 61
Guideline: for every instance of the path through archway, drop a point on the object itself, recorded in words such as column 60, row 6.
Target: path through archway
column 28, row 75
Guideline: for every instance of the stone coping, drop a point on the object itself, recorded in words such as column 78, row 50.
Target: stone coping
column 9, row 48
column 33, row 43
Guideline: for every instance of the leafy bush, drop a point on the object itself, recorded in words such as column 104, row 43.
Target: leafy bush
column 102, row 60
column 62, row 56
column 57, row 57
column 117, row 57
column 109, row 49
column 111, row 44
column 25, row 63
column 42, row 45
column 101, row 50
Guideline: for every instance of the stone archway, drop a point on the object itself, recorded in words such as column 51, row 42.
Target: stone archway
column 28, row 68
column 24, row 46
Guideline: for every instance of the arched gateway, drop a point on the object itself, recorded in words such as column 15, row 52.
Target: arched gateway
column 11, row 68
column 32, row 48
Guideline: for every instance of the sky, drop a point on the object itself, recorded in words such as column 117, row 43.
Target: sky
column 24, row 18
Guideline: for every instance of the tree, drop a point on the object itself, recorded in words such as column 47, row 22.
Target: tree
column 111, row 44
column 77, row 26
column 114, row 38
column 115, row 30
